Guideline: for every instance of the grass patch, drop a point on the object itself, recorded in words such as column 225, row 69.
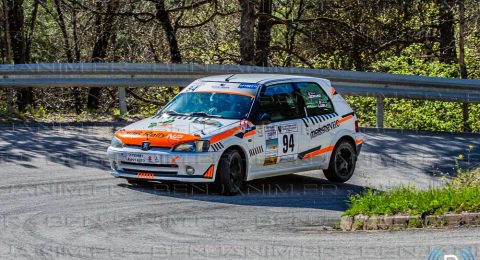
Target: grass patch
column 461, row 194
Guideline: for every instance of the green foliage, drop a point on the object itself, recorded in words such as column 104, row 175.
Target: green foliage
column 381, row 36
column 462, row 194
column 410, row 63
column 415, row 114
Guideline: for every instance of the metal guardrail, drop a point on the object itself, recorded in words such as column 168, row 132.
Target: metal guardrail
column 123, row 75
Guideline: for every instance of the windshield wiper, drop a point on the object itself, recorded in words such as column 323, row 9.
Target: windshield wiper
column 204, row 114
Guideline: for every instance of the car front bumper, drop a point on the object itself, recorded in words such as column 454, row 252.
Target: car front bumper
column 159, row 164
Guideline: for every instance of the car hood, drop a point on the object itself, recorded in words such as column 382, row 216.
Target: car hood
column 168, row 131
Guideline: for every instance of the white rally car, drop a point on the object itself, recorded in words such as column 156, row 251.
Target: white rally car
column 230, row 129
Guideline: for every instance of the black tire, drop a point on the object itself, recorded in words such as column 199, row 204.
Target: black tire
column 138, row 182
column 230, row 175
column 342, row 162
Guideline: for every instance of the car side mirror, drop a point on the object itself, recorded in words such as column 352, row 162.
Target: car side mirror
column 264, row 119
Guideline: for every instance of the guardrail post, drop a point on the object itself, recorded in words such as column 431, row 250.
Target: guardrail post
column 122, row 100
column 380, row 112
column 465, row 113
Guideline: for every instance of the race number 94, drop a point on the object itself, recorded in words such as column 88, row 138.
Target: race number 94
column 288, row 143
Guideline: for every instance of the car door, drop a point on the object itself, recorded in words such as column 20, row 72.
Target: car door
column 320, row 122
column 278, row 141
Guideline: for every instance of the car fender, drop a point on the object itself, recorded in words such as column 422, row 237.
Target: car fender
column 235, row 139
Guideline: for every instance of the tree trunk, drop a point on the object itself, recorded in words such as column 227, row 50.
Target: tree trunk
column 263, row 33
column 8, row 54
column 16, row 21
column 33, row 21
column 247, row 28
column 105, row 29
column 461, row 59
column 68, row 50
column 447, row 31
column 76, row 91
column 63, row 28
column 357, row 60
column 163, row 18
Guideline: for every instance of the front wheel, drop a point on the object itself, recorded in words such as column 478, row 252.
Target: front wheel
column 230, row 175
column 342, row 162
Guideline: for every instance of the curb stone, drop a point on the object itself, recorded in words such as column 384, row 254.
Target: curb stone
column 375, row 222
column 471, row 218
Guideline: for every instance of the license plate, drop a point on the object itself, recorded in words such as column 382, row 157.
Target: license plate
column 143, row 158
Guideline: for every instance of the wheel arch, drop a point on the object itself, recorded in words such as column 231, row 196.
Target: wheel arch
column 243, row 153
column 349, row 139
column 341, row 136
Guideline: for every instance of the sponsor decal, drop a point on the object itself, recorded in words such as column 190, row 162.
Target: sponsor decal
column 270, row 132
column 259, row 130
column 313, row 95
column 192, row 88
column 161, row 123
column 221, row 85
column 165, row 135
column 271, row 141
column 271, row 147
column 248, row 85
column 322, row 104
column 324, row 129
column 285, row 159
column 270, row 160
column 287, row 128
column 207, row 122
column 155, row 137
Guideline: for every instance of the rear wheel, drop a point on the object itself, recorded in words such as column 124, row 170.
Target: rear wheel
column 342, row 162
column 230, row 175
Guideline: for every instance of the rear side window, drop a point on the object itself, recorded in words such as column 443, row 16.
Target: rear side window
column 316, row 100
column 281, row 102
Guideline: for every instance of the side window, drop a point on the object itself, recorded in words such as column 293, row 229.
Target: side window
column 316, row 100
column 281, row 102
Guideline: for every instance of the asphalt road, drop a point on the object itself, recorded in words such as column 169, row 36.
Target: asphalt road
column 57, row 201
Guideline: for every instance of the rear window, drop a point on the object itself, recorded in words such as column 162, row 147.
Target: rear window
column 316, row 100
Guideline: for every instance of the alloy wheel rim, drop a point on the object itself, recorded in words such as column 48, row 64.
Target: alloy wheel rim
column 344, row 161
column 235, row 171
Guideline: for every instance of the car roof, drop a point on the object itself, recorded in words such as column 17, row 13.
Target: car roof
column 250, row 78
column 240, row 84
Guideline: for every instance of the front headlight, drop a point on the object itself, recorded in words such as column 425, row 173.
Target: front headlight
column 197, row 146
column 117, row 143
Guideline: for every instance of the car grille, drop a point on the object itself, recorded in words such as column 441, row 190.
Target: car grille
column 156, row 173
column 149, row 164
column 162, row 169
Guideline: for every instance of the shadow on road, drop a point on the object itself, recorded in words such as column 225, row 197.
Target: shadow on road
column 433, row 153
column 293, row 190
column 73, row 147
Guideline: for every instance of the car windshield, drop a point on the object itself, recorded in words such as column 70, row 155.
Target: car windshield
column 210, row 104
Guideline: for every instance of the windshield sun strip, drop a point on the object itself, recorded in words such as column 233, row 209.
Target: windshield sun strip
column 226, row 92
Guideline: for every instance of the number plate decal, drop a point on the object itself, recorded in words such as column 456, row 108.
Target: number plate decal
column 280, row 143
column 143, row 158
